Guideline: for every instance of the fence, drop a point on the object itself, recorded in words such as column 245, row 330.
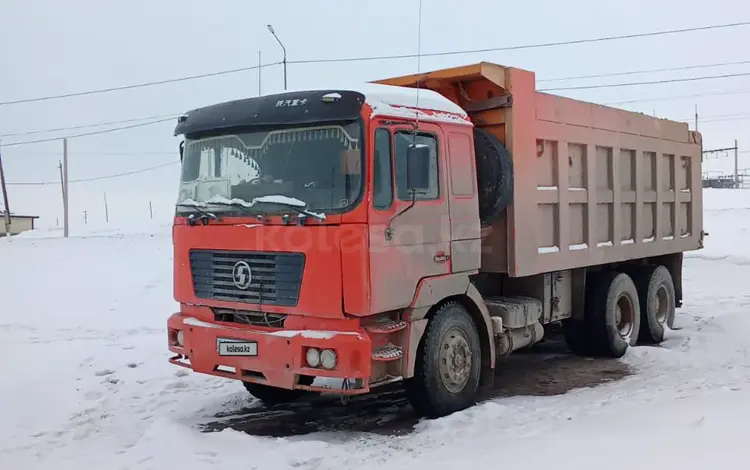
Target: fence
column 724, row 180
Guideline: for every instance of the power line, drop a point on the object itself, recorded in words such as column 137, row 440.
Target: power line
column 104, row 131
column 90, row 153
column 137, row 85
column 385, row 57
column 96, row 178
column 676, row 97
column 524, row 46
column 653, row 82
column 638, row 72
column 86, row 126
column 174, row 115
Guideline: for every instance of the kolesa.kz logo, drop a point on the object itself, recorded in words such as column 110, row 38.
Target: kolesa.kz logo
column 239, row 348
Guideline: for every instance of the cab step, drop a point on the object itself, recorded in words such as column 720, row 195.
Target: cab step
column 385, row 328
column 387, row 353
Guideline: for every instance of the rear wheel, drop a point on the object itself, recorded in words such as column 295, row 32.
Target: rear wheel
column 447, row 372
column 273, row 395
column 657, row 299
column 612, row 314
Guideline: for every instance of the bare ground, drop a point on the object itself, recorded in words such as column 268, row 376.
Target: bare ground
column 544, row 370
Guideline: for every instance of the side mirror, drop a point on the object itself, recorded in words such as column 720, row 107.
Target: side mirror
column 418, row 168
column 182, row 149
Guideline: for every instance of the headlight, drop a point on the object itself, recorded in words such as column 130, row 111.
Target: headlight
column 313, row 357
column 328, row 359
column 181, row 339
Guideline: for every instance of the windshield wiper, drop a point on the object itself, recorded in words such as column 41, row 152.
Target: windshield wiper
column 205, row 215
column 243, row 207
column 297, row 209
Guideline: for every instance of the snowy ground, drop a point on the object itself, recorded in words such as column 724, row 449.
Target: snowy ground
column 84, row 379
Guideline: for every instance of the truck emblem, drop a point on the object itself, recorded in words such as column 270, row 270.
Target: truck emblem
column 241, row 275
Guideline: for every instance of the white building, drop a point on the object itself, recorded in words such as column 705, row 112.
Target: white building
column 18, row 223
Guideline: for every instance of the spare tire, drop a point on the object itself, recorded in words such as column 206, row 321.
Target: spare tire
column 494, row 176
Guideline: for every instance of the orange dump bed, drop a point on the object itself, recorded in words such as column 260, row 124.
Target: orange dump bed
column 592, row 184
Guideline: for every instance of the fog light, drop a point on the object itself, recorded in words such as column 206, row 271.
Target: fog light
column 328, row 359
column 313, row 357
column 181, row 339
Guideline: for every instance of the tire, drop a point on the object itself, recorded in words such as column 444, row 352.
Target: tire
column 271, row 396
column 611, row 330
column 441, row 386
column 494, row 176
column 657, row 297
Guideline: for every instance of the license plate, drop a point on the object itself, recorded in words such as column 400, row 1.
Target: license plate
column 228, row 347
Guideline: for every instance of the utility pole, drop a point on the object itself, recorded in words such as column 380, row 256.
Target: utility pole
column 65, row 188
column 270, row 28
column 696, row 117
column 5, row 197
column 150, row 210
column 260, row 69
column 106, row 209
column 736, row 163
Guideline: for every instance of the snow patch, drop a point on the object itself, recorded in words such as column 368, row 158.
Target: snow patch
column 192, row 321
column 313, row 334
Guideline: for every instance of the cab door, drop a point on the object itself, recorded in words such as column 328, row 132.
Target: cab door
column 407, row 244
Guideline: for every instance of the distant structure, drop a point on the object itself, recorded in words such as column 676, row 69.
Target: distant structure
column 18, row 223
column 722, row 180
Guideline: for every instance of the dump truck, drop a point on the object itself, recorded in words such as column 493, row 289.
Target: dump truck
column 415, row 230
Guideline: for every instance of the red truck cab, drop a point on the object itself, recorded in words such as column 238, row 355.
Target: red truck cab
column 301, row 243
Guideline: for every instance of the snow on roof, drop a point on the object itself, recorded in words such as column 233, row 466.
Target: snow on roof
column 410, row 97
column 404, row 102
column 19, row 216
column 396, row 101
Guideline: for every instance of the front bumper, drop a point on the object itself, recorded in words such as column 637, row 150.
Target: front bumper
column 280, row 359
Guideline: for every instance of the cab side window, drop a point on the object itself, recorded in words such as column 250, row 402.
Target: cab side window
column 383, row 173
column 402, row 140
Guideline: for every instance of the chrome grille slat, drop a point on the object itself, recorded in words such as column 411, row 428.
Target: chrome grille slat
column 276, row 277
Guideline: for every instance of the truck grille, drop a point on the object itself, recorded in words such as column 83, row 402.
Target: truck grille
column 275, row 278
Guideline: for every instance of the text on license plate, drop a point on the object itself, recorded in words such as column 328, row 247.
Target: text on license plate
column 237, row 348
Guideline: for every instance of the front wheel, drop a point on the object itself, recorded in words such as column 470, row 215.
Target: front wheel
column 449, row 360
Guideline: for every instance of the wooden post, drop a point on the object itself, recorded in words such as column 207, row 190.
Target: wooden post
column 5, row 197
column 150, row 210
column 736, row 164
column 106, row 209
column 260, row 68
column 62, row 183
column 65, row 188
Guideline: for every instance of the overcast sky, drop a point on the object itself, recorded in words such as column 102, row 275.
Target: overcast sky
column 50, row 47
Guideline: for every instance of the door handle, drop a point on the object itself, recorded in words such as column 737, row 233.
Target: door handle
column 440, row 256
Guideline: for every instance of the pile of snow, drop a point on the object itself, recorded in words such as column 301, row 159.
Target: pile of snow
column 84, row 380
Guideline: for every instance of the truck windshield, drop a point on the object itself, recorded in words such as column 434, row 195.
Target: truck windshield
column 319, row 167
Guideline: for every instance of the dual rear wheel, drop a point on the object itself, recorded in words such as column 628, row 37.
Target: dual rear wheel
column 622, row 310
